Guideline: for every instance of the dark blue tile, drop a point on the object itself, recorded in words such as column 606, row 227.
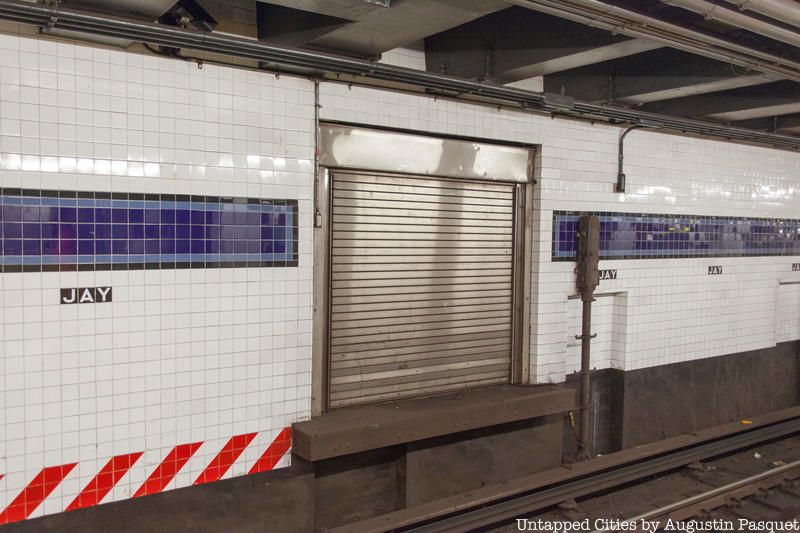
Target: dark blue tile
column 136, row 246
column 119, row 215
column 50, row 247
column 227, row 228
column 68, row 214
column 102, row 247
column 68, row 247
column 102, row 214
column 50, row 230
column 31, row 230
column 85, row 247
column 12, row 230
column 102, row 231
column 86, row 231
column 31, row 247
column 12, row 246
column 12, row 213
column 67, row 231
column 85, row 214
column 119, row 231
column 136, row 231
column 120, row 247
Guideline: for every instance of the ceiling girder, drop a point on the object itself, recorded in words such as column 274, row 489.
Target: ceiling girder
column 518, row 43
column 652, row 76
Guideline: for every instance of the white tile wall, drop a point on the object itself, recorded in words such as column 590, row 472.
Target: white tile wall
column 609, row 323
column 788, row 313
column 179, row 356
column 672, row 310
column 201, row 355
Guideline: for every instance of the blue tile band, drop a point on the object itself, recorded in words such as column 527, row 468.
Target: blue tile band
column 45, row 230
column 646, row 236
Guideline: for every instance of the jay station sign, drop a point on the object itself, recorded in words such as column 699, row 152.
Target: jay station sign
column 86, row 295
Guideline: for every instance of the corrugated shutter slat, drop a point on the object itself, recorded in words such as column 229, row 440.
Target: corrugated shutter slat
column 420, row 288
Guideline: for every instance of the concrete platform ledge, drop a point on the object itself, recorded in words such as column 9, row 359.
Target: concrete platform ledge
column 359, row 429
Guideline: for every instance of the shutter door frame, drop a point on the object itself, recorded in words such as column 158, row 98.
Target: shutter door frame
column 396, row 376
column 364, row 149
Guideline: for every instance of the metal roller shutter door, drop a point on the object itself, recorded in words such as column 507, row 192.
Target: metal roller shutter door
column 421, row 286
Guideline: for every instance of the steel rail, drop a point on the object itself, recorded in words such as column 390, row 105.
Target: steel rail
column 507, row 500
column 536, row 501
column 705, row 501
column 317, row 63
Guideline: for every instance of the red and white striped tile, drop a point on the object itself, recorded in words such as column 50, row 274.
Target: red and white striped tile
column 138, row 474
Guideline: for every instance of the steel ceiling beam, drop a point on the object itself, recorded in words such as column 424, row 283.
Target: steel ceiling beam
column 319, row 63
column 787, row 11
column 711, row 11
column 785, row 122
column 652, row 76
column 776, row 98
column 516, row 44
column 624, row 21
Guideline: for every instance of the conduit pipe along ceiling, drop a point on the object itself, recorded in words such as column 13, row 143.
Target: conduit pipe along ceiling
column 728, row 16
column 319, row 64
column 624, row 21
column 787, row 11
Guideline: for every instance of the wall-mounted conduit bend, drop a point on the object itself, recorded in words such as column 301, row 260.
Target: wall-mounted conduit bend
column 320, row 63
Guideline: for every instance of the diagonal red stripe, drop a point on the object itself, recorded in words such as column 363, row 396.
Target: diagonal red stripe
column 35, row 493
column 168, row 468
column 225, row 458
column 274, row 452
column 104, row 481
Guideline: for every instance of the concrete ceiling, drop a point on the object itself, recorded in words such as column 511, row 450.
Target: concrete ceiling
column 498, row 42
column 375, row 29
